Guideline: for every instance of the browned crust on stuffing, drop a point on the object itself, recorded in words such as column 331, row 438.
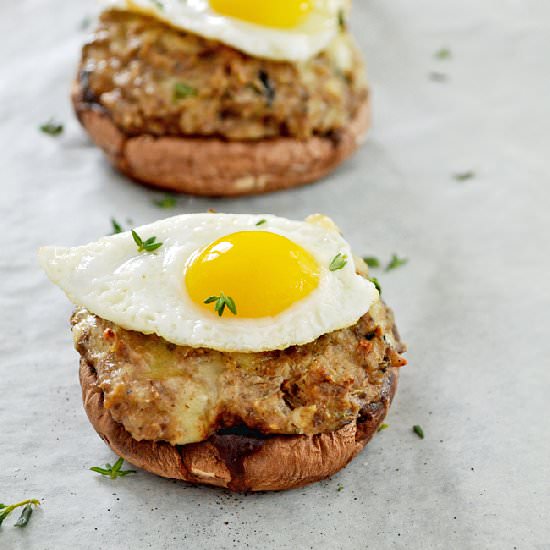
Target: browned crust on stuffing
column 238, row 462
column 213, row 167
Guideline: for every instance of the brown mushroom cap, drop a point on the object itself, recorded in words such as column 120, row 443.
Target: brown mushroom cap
column 239, row 462
column 213, row 167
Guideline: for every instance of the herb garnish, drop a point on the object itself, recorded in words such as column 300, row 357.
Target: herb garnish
column 418, row 431
column 437, row 76
column 269, row 89
column 117, row 228
column 375, row 282
column 340, row 487
column 145, row 246
column 221, row 301
column 338, row 262
column 443, row 53
column 372, row 261
column 261, row 222
column 25, row 516
column 383, row 427
column 113, row 471
column 183, row 91
column 86, row 22
column 158, row 4
column 342, row 23
column 5, row 511
column 168, row 201
column 396, row 262
column 52, row 128
column 464, row 176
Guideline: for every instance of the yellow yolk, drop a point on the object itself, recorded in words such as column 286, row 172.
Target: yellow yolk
column 264, row 273
column 270, row 13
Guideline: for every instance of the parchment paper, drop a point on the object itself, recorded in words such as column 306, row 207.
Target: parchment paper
column 473, row 301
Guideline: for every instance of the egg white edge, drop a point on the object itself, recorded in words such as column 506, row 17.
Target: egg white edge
column 299, row 45
column 48, row 254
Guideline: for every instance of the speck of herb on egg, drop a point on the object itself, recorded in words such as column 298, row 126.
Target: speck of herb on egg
column 338, row 262
column 150, row 245
column 342, row 23
column 376, row 283
column 221, row 302
column 261, row 222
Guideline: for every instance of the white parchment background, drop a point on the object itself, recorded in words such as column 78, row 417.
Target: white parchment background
column 473, row 303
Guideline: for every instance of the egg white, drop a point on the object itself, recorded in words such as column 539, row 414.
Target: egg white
column 196, row 16
column 145, row 292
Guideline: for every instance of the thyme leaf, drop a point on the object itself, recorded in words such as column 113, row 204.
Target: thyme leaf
column 183, row 91
column 396, row 262
column 342, row 23
column 52, row 128
column 24, row 517
column 372, row 261
column 436, row 76
column 5, row 511
column 464, row 176
column 375, row 282
column 168, row 201
column 443, row 53
column 418, row 431
column 338, row 262
column 117, row 228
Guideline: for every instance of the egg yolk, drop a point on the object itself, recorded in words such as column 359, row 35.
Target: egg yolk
column 270, row 13
column 264, row 273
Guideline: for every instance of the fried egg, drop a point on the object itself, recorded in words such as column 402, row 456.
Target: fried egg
column 290, row 30
column 221, row 281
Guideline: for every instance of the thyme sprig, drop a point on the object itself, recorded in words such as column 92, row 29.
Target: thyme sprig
column 52, row 128
column 221, row 302
column 150, row 245
column 112, row 471
column 395, row 262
